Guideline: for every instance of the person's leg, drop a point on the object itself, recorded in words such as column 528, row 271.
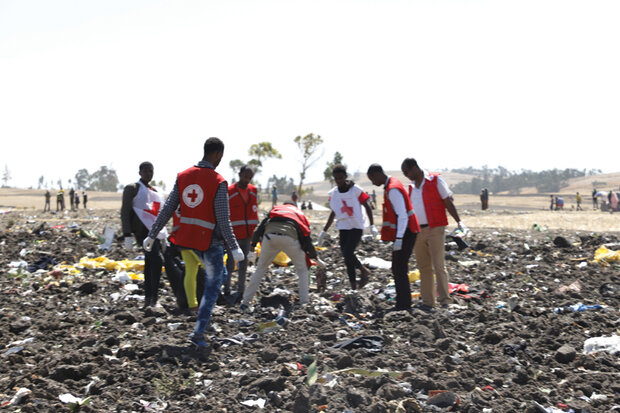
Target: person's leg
column 344, row 240
column 425, row 265
column 230, row 268
column 213, row 261
column 292, row 248
column 189, row 281
column 242, row 266
column 156, row 263
column 268, row 252
column 437, row 241
column 400, row 262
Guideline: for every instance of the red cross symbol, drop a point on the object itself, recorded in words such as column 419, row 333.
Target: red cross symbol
column 193, row 196
column 346, row 209
column 154, row 209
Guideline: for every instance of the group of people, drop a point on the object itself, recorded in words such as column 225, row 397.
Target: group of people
column 74, row 200
column 211, row 218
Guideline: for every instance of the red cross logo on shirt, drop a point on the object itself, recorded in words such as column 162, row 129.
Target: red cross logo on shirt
column 154, row 209
column 193, row 195
column 346, row 209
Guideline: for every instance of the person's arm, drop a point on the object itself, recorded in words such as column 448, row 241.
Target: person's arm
column 398, row 204
column 222, row 217
column 451, row 209
column 171, row 205
column 129, row 194
column 329, row 222
column 445, row 193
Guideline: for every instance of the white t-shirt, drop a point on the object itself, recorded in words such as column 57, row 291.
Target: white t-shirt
column 347, row 207
column 416, row 196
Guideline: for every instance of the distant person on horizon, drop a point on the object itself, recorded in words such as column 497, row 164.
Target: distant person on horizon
column 373, row 197
column 594, row 199
column 47, row 206
column 400, row 226
column 274, row 196
column 77, row 200
column 431, row 199
column 294, row 196
column 72, row 198
column 484, row 198
column 139, row 209
column 578, row 200
column 84, row 198
column 204, row 227
column 60, row 200
column 552, row 205
column 559, row 203
column 346, row 200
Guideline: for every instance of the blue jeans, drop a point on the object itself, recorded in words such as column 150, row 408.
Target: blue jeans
column 215, row 275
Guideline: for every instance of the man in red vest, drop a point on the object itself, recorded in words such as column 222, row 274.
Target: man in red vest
column 285, row 229
column 400, row 226
column 204, row 226
column 243, row 202
column 431, row 197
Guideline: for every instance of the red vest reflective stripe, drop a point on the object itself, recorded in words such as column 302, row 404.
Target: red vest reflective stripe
column 243, row 217
column 433, row 204
column 197, row 188
column 388, row 229
column 176, row 222
column 293, row 213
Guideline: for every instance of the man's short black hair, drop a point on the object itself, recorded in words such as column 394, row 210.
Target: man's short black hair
column 213, row 145
column 245, row 168
column 145, row 165
column 374, row 168
column 410, row 163
column 339, row 169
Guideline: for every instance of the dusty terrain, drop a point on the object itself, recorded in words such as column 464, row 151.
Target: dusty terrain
column 82, row 331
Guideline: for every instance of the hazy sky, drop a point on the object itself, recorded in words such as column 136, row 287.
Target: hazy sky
column 522, row 84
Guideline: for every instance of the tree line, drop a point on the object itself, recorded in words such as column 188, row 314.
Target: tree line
column 500, row 179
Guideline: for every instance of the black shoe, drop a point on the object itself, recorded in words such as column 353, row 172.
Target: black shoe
column 424, row 307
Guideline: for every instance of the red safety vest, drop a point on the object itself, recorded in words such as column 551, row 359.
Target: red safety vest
column 293, row 213
column 197, row 189
column 243, row 216
column 176, row 223
column 388, row 229
column 433, row 204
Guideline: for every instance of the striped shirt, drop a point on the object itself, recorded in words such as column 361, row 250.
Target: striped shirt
column 223, row 230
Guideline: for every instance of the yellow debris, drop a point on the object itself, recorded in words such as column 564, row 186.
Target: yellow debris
column 110, row 265
column 414, row 275
column 603, row 255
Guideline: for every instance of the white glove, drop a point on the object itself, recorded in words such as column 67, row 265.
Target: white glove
column 148, row 244
column 238, row 255
column 462, row 227
column 321, row 239
column 398, row 244
column 164, row 244
column 128, row 244
column 320, row 263
column 374, row 232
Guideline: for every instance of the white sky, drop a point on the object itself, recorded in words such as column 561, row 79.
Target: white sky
column 522, row 84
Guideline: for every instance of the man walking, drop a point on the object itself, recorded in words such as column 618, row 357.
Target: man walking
column 72, row 198
column 47, row 206
column 243, row 203
column 400, row 225
column 84, row 198
column 139, row 209
column 430, row 197
column 204, row 226
column 285, row 229
column 346, row 201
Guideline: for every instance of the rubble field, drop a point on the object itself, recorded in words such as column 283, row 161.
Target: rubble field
column 533, row 328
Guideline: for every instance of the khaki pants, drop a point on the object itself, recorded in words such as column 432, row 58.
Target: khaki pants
column 429, row 252
column 271, row 245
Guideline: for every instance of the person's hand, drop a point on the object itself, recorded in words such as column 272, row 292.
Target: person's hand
column 398, row 244
column 462, row 227
column 148, row 244
column 238, row 255
column 321, row 239
column 128, row 244
column 374, row 232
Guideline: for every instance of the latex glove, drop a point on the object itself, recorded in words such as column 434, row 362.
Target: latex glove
column 321, row 239
column 128, row 244
column 238, row 255
column 462, row 227
column 320, row 263
column 398, row 244
column 148, row 244
column 374, row 232
column 164, row 245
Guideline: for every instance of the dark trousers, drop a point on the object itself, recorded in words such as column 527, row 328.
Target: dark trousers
column 349, row 240
column 153, row 261
column 400, row 262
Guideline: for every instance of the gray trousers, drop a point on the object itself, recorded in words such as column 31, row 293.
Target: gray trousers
column 242, row 267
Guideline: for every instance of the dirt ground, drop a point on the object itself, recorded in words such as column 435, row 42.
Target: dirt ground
column 511, row 343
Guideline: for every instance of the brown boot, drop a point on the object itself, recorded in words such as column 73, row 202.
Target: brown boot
column 364, row 276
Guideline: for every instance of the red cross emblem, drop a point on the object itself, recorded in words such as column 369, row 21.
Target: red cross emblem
column 346, row 209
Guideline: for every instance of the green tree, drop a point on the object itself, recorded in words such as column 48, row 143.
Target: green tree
column 105, row 179
column 260, row 151
column 82, row 179
column 327, row 173
column 6, row 176
column 236, row 165
column 41, row 180
column 309, row 148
